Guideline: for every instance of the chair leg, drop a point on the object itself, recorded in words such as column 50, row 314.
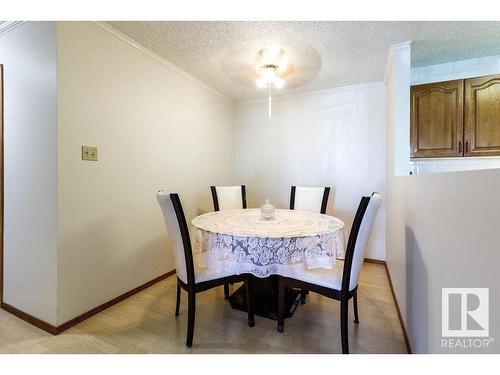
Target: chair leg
column 178, row 301
column 303, row 294
column 226, row 291
column 355, row 303
column 191, row 316
column 344, row 307
column 281, row 305
column 248, row 292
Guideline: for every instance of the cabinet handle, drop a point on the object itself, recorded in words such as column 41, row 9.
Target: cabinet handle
column 460, row 149
column 467, row 146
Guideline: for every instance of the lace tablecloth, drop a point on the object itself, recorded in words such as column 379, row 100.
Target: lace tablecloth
column 240, row 241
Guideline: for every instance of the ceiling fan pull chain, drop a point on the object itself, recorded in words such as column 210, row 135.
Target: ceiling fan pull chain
column 270, row 101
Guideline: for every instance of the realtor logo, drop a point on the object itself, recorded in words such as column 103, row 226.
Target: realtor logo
column 465, row 312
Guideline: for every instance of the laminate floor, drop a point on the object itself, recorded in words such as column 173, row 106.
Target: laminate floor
column 145, row 323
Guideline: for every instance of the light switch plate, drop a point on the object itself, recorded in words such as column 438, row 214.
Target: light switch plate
column 89, row 153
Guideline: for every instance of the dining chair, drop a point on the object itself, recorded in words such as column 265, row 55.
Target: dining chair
column 228, row 198
column 192, row 277
column 340, row 283
column 309, row 199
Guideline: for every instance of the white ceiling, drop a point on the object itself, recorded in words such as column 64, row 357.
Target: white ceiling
column 322, row 54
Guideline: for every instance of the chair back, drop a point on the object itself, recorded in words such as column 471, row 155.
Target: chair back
column 309, row 198
column 358, row 239
column 178, row 232
column 229, row 197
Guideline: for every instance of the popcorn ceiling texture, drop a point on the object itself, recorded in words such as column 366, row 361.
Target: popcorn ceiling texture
column 322, row 54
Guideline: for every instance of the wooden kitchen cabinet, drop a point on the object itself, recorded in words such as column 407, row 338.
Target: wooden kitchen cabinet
column 482, row 116
column 456, row 118
column 437, row 119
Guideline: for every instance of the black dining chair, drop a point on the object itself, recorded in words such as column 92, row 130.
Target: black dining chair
column 190, row 276
column 340, row 283
column 309, row 199
column 228, row 198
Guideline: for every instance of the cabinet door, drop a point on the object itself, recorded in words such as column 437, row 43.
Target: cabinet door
column 482, row 116
column 437, row 119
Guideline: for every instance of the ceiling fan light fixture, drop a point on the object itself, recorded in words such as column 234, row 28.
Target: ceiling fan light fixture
column 271, row 63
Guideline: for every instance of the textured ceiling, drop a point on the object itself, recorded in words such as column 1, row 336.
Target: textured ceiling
column 322, row 54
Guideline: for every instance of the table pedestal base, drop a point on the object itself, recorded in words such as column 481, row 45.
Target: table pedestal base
column 265, row 298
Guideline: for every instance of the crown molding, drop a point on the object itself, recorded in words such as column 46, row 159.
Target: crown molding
column 314, row 93
column 129, row 42
column 8, row 26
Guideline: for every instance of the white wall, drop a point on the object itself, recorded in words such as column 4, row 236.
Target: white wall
column 335, row 138
column 441, row 165
column 397, row 79
column 442, row 231
column 28, row 54
column 461, row 69
column 447, row 235
column 155, row 129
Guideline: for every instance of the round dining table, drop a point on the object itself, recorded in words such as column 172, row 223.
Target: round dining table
column 242, row 242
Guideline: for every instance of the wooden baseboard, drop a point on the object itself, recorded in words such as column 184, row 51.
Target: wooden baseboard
column 55, row 330
column 376, row 261
column 30, row 319
column 405, row 334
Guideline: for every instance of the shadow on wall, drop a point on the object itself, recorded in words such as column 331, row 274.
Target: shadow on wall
column 417, row 295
